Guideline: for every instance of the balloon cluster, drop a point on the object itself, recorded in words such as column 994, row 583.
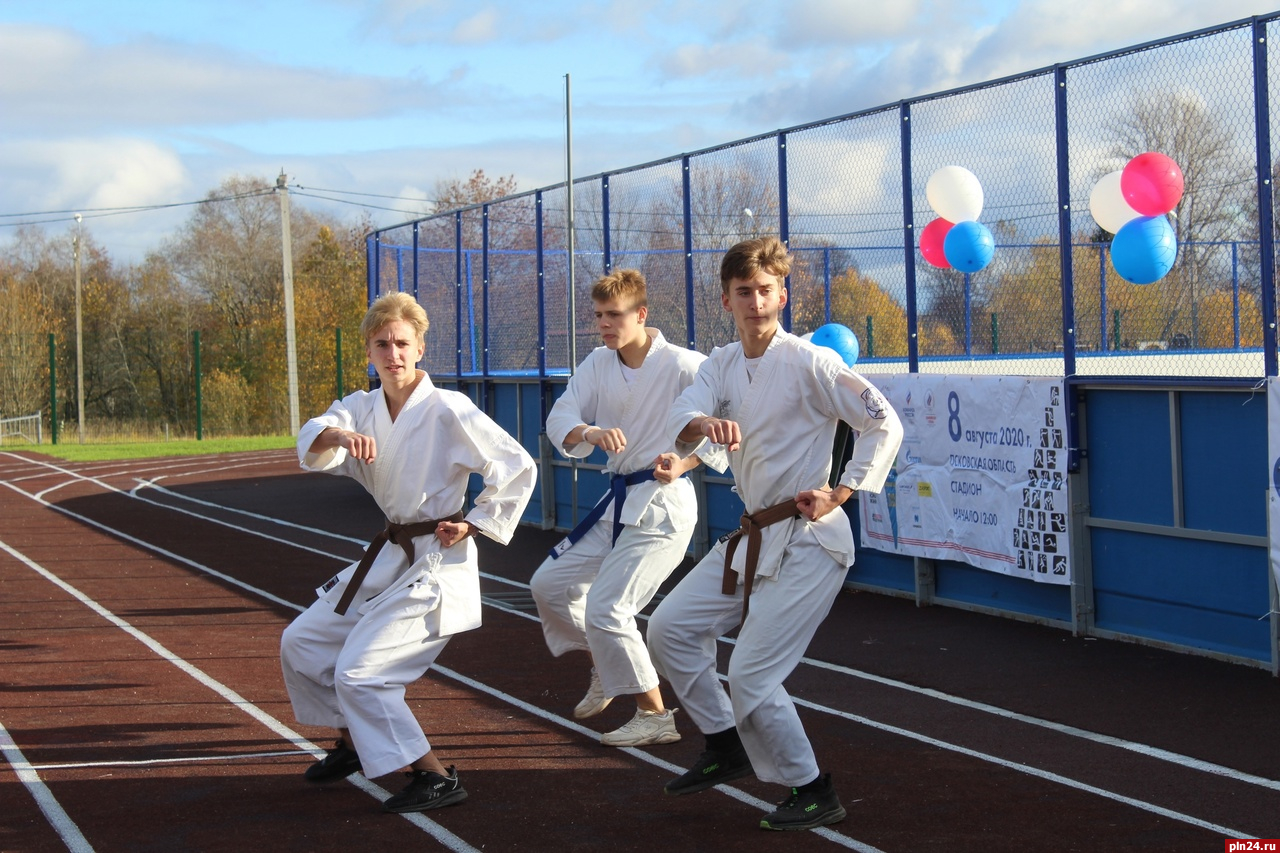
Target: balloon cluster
column 1133, row 204
column 956, row 239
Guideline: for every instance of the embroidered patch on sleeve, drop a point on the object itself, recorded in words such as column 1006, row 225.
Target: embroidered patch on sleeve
column 876, row 404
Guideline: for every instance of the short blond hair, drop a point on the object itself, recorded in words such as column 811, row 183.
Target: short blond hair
column 390, row 307
column 625, row 284
column 748, row 258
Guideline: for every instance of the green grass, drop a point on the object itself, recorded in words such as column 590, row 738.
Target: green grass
column 73, row 452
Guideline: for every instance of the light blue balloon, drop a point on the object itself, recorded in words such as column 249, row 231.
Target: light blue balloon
column 969, row 246
column 1144, row 249
column 839, row 338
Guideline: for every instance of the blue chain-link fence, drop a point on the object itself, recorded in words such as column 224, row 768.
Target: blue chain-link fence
column 848, row 196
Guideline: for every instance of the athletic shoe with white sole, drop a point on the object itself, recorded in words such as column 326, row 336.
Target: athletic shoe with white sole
column 595, row 701
column 646, row 728
column 427, row 790
column 807, row 809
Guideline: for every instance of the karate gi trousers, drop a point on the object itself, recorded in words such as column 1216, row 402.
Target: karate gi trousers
column 588, row 599
column 785, row 613
column 351, row 671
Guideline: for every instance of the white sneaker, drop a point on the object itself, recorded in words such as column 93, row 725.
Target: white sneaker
column 595, row 701
column 645, row 729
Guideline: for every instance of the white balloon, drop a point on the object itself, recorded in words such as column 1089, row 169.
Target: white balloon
column 954, row 194
column 1108, row 205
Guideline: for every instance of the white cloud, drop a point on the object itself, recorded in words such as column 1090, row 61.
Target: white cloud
column 96, row 173
column 51, row 79
column 845, row 22
column 477, row 29
column 751, row 59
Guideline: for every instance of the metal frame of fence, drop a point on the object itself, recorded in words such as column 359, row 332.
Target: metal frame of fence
column 812, row 185
column 29, row 428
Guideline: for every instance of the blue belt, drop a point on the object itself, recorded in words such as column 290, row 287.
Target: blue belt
column 618, row 494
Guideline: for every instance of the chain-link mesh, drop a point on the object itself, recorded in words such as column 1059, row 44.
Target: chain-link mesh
column 836, row 190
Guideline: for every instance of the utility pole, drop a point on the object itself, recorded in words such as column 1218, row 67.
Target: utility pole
column 568, row 182
column 79, row 337
column 290, row 339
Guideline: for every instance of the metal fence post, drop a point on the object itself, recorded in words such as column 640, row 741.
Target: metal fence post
column 1266, row 237
column 199, row 394
column 53, row 390
column 909, row 240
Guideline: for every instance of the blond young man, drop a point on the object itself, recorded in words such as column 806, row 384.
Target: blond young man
column 773, row 400
column 590, row 589
column 378, row 625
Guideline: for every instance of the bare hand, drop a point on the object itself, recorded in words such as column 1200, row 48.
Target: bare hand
column 610, row 440
column 668, row 467
column 723, row 432
column 815, row 503
column 451, row 532
column 362, row 447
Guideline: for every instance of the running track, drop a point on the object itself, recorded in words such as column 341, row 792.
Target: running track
column 141, row 705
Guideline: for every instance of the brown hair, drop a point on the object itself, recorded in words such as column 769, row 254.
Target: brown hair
column 627, row 285
column 390, row 307
column 748, row 258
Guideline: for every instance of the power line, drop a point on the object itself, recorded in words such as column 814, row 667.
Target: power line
column 100, row 212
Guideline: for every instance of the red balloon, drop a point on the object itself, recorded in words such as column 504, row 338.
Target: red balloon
column 1152, row 184
column 931, row 240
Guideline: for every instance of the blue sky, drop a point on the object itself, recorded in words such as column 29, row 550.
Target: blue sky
column 133, row 102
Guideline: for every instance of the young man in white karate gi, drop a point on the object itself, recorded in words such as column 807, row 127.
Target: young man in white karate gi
column 379, row 624
column 774, row 401
column 590, row 589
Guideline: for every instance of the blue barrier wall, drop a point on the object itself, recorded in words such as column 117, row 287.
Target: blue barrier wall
column 1169, row 513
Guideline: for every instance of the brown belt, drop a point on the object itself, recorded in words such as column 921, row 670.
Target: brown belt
column 402, row 535
column 751, row 527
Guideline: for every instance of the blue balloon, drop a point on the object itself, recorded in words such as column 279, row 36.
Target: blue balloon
column 969, row 246
column 1144, row 249
column 839, row 338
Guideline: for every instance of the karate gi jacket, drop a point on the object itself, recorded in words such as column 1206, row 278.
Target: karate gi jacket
column 788, row 413
column 423, row 464
column 597, row 395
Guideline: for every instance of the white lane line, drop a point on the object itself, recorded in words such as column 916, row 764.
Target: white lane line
column 1150, row 751
column 154, row 762
column 742, row 796
column 675, row 770
column 233, row 698
column 110, row 488
column 156, row 549
column 39, row 791
column 1061, row 728
column 151, row 484
column 1072, row 731
column 1033, row 771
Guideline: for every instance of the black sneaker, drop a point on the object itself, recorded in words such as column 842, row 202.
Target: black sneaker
column 807, row 809
column 709, row 770
column 427, row 790
column 340, row 763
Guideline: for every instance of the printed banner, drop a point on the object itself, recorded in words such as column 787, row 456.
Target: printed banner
column 1273, row 445
column 981, row 477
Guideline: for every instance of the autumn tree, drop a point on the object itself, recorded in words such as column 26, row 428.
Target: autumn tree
column 857, row 300
column 24, row 324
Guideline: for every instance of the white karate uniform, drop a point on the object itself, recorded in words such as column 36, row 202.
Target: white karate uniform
column 589, row 596
column 350, row 671
column 787, row 412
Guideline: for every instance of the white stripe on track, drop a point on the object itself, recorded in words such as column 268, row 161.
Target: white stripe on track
column 154, row 762
column 444, row 836
column 52, row 809
column 151, row 484
column 1153, row 752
